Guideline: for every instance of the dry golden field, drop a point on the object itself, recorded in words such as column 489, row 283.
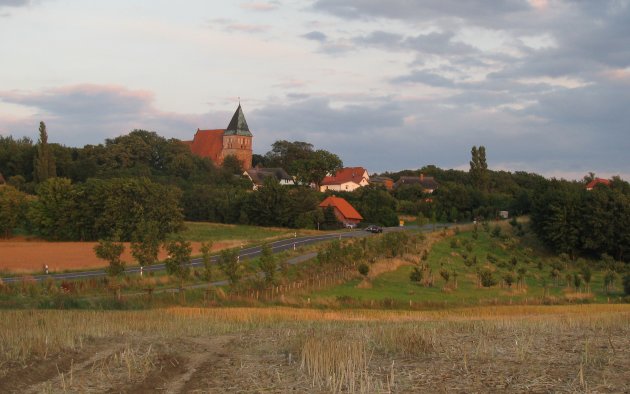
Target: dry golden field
column 576, row 348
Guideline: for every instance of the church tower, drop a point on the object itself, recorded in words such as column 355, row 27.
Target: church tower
column 237, row 140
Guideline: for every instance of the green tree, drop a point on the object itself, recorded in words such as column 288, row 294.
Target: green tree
column 206, row 250
column 44, row 161
column 230, row 264
column 232, row 165
column 269, row 205
column 315, row 168
column 268, row 264
column 146, row 244
column 178, row 261
column 110, row 250
column 479, row 168
column 13, row 207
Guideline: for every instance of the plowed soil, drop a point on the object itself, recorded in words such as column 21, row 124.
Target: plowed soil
column 29, row 256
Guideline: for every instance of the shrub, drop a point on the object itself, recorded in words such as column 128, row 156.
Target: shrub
column 486, row 278
column 496, row 231
column 626, row 284
column 364, row 269
column 508, row 278
column 416, row 275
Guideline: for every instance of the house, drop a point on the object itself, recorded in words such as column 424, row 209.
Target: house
column 346, row 180
column 427, row 183
column 258, row 175
column 344, row 212
column 217, row 144
column 386, row 182
column 597, row 181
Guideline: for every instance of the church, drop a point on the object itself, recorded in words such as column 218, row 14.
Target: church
column 217, row 144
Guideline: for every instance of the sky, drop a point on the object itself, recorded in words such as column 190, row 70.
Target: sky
column 544, row 85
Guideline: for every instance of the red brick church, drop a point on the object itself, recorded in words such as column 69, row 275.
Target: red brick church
column 218, row 144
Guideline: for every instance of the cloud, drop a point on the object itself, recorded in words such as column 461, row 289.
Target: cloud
column 87, row 114
column 425, row 77
column 315, row 36
column 248, row 28
column 14, row 3
column 260, row 6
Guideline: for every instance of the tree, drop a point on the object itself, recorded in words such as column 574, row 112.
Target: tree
column 146, row 245
column 232, row 165
column 268, row 264
column 508, row 278
column 364, row 269
column 13, row 206
column 269, row 205
column 110, row 250
column 230, row 264
column 315, row 168
column 479, row 168
column 206, row 249
column 416, row 275
column 178, row 260
column 44, row 165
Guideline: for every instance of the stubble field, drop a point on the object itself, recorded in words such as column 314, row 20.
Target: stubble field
column 576, row 348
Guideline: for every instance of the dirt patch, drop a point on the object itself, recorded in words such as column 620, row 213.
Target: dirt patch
column 29, row 256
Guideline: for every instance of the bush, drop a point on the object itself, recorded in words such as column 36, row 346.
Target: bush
column 496, row 231
column 364, row 269
column 487, row 278
column 626, row 284
column 416, row 275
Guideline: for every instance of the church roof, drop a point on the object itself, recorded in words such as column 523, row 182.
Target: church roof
column 238, row 124
column 207, row 143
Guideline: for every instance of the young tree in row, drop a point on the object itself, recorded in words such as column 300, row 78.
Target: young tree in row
column 268, row 264
column 110, row 250
column 231, row 265
column 206, row 250
column 146, row 246
column 178, row 260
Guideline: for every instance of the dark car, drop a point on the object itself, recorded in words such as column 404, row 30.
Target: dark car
column 374, row 228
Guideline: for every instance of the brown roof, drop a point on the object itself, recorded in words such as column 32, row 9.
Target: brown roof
column 597, row 181
column 207, row 143
column 343, row 206
column 258, row 175
column 426, row 182
column 348, row 174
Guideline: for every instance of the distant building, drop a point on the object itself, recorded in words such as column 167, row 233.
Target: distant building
column 597, row 181
column 258, row 175
column 427, row 183
column 346, row 180
column 217, row 144
column 344, row 212
column 387, row 183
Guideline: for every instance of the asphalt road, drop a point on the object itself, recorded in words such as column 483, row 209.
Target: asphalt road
column 244, row 253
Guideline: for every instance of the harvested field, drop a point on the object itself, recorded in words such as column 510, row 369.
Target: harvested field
column 28, row 256
column 582, row 348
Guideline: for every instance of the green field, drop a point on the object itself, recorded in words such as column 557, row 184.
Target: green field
column 203, row 231
column 505, row 250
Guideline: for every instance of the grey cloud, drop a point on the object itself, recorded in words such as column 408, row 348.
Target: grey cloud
column 315, row 36
column 14, row 3
column 425, row 77
column 87, row 114
column 380, row 39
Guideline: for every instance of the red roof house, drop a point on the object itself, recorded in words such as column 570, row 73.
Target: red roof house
column 344, row 212
column 346, row 180
column 597, row 181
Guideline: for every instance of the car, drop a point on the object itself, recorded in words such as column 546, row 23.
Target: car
column 351, row 225
column 374, row 229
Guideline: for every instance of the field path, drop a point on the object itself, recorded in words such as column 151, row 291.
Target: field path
column 210, row 351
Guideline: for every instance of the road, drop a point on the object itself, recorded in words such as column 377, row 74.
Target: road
column 244, row 253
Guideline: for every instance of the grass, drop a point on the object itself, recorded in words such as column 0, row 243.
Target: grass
column 216, row 232
column 447, row 255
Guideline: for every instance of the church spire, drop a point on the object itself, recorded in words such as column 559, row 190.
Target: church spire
column 238, row 124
